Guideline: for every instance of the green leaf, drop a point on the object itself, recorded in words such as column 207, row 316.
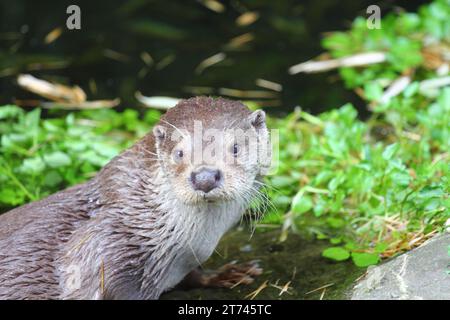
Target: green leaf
column 32, row 119
column 281, row 181
column 336, row 240
column 57, row 159
column 373, row 91
column 9, row 111
column 336, row 253
column 365, row 259
column 336, row 223
column 301, row 203
column 11, row 197
column 52, row 178
column 389, row 151
column 381, row 247
column 411, row 89
column 32, row 166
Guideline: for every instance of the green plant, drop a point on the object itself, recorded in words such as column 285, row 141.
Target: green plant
column 368, row 193
column 41, row 156
column 378, row 187
column 411, row 41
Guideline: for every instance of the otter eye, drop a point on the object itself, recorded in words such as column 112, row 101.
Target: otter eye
column 235, row 149
column 178, row 155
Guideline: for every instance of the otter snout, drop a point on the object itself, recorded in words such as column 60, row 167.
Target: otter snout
column 206, row 179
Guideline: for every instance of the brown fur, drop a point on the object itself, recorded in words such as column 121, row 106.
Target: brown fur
column 118, row 229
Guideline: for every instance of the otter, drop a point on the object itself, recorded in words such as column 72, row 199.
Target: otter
column 148, row 219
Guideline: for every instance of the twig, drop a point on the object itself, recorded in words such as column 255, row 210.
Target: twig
column 252, row 295
column 247, row 93
column 320, row 288
column 395, row 88
column 323, row 294
column 51, row 91
column 208, row 62
column 360, row 59
column 95, row 104
column 161, row 103
column 282, row 289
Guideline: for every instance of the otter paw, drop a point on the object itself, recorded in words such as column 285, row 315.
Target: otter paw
column 233, row 274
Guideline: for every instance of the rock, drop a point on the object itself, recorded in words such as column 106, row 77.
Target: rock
column 422, row 273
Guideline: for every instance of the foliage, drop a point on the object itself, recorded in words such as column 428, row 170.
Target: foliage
column 377, row 187
column 41, row 156
column 410, row 40
column 336, row 253
column 380, row 186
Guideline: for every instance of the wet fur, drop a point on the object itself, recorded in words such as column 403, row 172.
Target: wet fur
column 126, row 231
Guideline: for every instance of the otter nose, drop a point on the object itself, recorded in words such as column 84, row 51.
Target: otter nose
column 206, row 179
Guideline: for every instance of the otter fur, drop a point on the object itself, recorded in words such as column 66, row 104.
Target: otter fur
column 146, row 220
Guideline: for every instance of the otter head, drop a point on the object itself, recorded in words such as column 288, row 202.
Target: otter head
column 212, row 150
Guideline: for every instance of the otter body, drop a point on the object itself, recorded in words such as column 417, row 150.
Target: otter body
column 146, row 220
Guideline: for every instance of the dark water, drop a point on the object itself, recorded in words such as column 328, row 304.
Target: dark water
column 104, row 57
column 296, row 260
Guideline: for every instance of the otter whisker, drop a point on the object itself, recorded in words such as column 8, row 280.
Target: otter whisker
column 267, row 202
column 177, row 129
column 262, row 204
column 232, row 123
column 194, row 254
column 148, row 151
column 265, row 185
column 167, row 122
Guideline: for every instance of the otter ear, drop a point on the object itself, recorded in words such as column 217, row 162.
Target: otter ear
column 258, row 119
column 159, row 132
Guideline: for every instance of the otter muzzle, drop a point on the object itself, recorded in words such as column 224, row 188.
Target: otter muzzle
column 206, row 179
